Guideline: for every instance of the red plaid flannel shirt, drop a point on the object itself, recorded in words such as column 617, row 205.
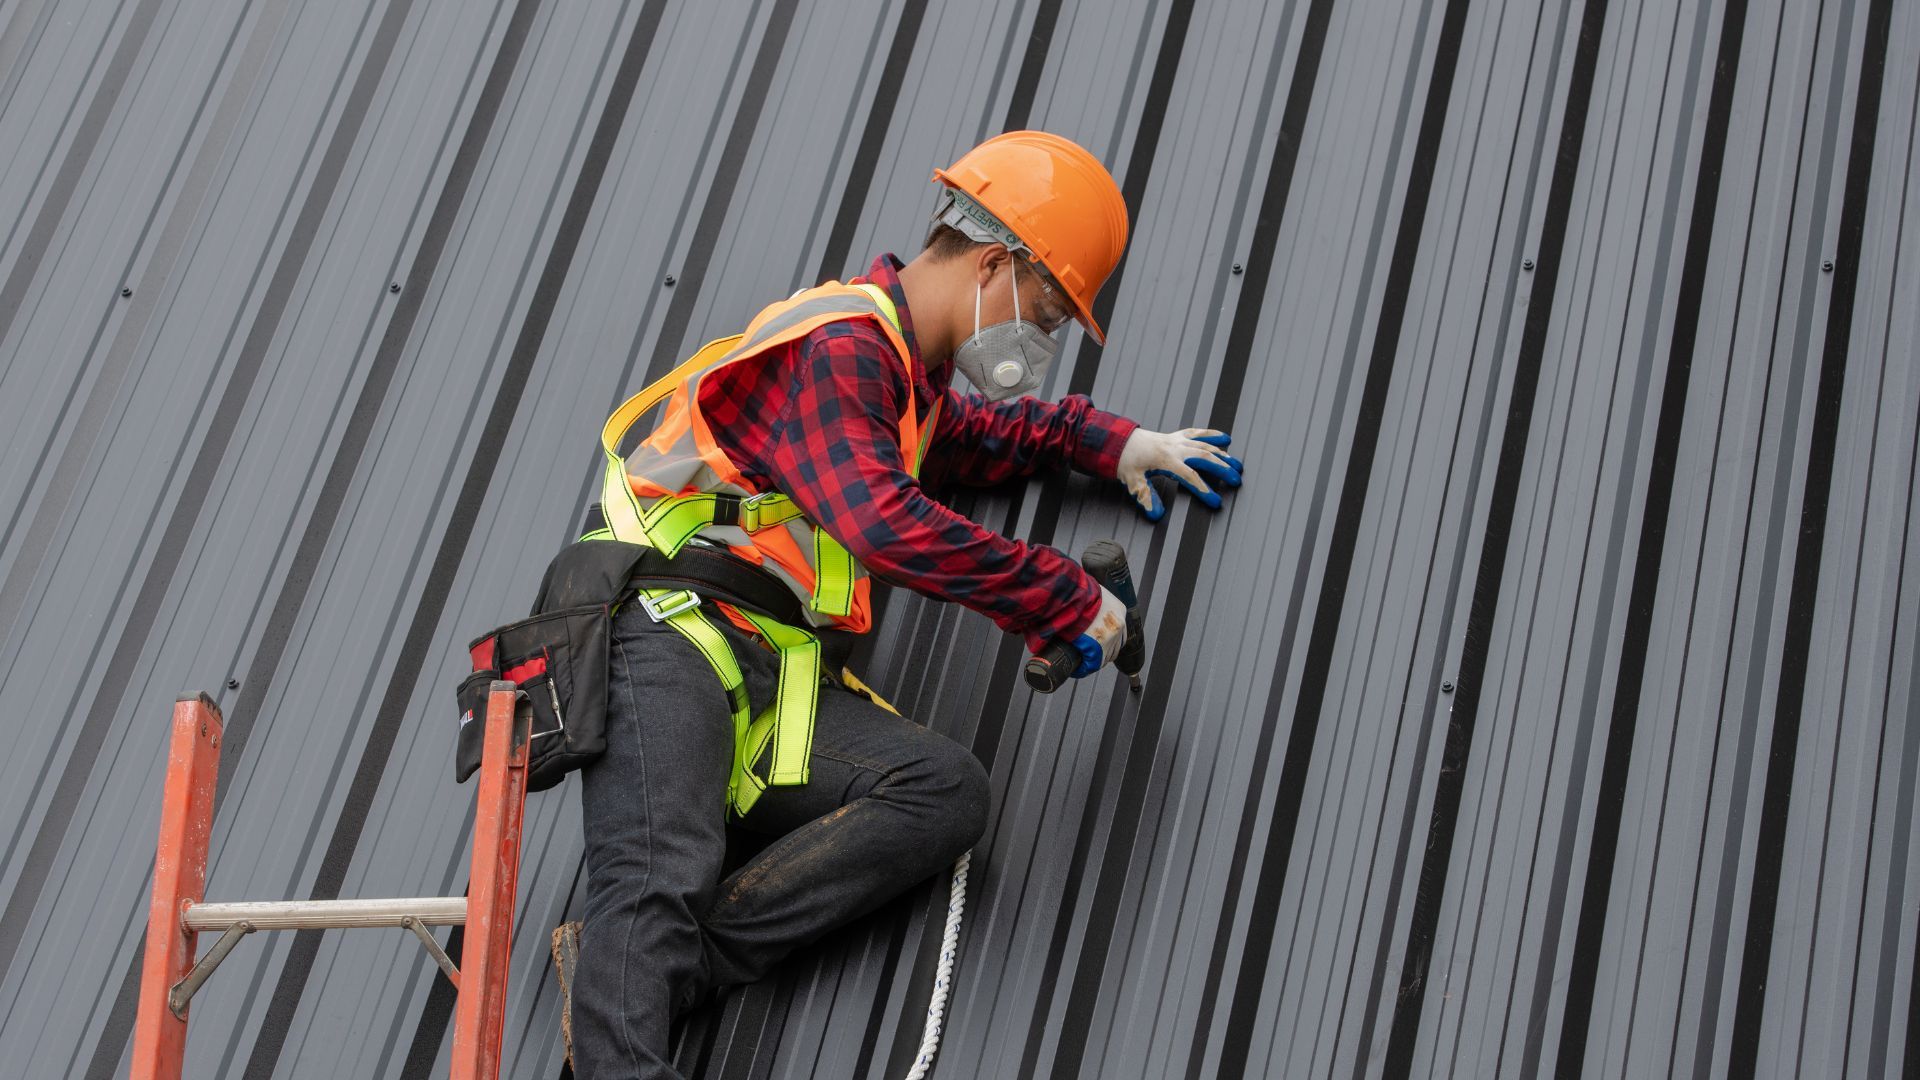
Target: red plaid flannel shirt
column 819, row 421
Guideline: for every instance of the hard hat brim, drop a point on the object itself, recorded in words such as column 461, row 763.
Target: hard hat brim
column 1082, row 313
column 1055, row 199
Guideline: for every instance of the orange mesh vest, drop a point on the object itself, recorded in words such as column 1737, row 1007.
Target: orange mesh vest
column 678, row 483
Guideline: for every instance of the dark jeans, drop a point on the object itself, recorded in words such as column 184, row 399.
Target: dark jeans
column 888, row 804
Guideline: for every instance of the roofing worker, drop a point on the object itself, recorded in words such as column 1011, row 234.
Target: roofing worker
column 788, row 464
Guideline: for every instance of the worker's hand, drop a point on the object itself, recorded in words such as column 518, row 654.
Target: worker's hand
column 1100, row 641
column 1196, row 457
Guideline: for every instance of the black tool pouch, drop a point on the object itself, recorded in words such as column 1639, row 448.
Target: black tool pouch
column 558, row 660
column 557, row 657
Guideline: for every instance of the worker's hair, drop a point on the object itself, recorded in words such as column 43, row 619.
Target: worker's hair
column 946, row 242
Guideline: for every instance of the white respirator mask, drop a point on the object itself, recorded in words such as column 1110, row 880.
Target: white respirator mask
column 1009, row 358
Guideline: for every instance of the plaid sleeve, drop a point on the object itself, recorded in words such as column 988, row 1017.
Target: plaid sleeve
column 835, row 452
column 980, row 443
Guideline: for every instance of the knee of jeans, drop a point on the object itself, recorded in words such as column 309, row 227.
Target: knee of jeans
column 964, row 792
column 975, row 799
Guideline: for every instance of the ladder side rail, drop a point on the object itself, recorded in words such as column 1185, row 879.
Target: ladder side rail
column 179, row 881
column 480, row 1012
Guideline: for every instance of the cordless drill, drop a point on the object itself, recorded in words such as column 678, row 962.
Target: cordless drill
column 1106, row 563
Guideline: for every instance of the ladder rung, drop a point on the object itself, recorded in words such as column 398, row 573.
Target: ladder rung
column 328, row 914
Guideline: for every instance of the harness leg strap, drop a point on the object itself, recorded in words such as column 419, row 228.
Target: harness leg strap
column 795, row 701
column 792, row 714
column 685, row 617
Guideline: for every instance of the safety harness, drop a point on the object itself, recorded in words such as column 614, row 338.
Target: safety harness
column 707, row 503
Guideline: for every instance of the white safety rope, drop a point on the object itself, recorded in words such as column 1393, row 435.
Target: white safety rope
column 943, row 974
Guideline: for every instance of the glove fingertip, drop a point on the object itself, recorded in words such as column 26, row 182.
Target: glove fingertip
column 1147, row 501
column 1211, row 466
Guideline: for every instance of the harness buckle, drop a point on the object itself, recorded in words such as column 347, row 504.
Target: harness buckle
column 750, row 511
column 669, row 605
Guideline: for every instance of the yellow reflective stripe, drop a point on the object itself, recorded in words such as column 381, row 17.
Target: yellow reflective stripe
column 618, row 503
column 883, row 302
column 659, row 390
column 770, row 509
column 616, row 491
column 598, row 534
column 789, row 723
column 833, row 574
column 926, row 438
column 673, row 520
column 704, row 636
column 796, row 312
column 745, row 793
column 746, row 788
column 794, row 701
column 707, row 638
column 670, row 522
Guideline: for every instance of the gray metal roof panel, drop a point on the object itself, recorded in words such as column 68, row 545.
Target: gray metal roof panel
column 330, row 487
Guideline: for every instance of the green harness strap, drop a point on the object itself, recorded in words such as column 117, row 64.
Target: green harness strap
column 669, row 522
column 794, row 703
column 788, row 721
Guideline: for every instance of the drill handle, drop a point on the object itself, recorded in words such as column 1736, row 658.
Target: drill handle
column 1050, row 669
column 1105, row 562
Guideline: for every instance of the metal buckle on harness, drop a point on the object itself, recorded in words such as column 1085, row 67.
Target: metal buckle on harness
column 750, row 511
column 669, row 605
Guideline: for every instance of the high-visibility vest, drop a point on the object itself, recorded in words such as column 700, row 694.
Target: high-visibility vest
column 679, row 484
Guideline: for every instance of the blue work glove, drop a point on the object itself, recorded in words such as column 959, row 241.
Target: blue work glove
column 1102, row 638
column 1195, row 457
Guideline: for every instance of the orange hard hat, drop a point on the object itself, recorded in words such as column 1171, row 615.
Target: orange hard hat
column 1056, row 200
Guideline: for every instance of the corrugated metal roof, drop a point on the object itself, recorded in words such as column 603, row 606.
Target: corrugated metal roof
column 1543, row 702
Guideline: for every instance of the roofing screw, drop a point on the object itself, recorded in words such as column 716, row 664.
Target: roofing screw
column 126, row 293
column 1237, row 268
column 1446, row 687
column 394, row 288
column 1827, row 267
column 233, row 684
column 1526, row 264
column 669, row 281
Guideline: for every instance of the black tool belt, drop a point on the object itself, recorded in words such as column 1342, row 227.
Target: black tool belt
column 557, row 656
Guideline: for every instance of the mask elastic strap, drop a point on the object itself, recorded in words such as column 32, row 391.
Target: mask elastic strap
column 1014, row 273
column 976, row 309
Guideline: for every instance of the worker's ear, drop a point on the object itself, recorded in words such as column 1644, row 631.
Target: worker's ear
column 988, row 261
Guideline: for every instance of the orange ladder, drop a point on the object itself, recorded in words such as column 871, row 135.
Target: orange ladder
column 169, row 976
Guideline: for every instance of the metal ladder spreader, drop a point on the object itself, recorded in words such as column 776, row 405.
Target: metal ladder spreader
column 169, row 976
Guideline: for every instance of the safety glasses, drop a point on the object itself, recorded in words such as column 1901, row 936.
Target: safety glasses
column 1052, row 312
